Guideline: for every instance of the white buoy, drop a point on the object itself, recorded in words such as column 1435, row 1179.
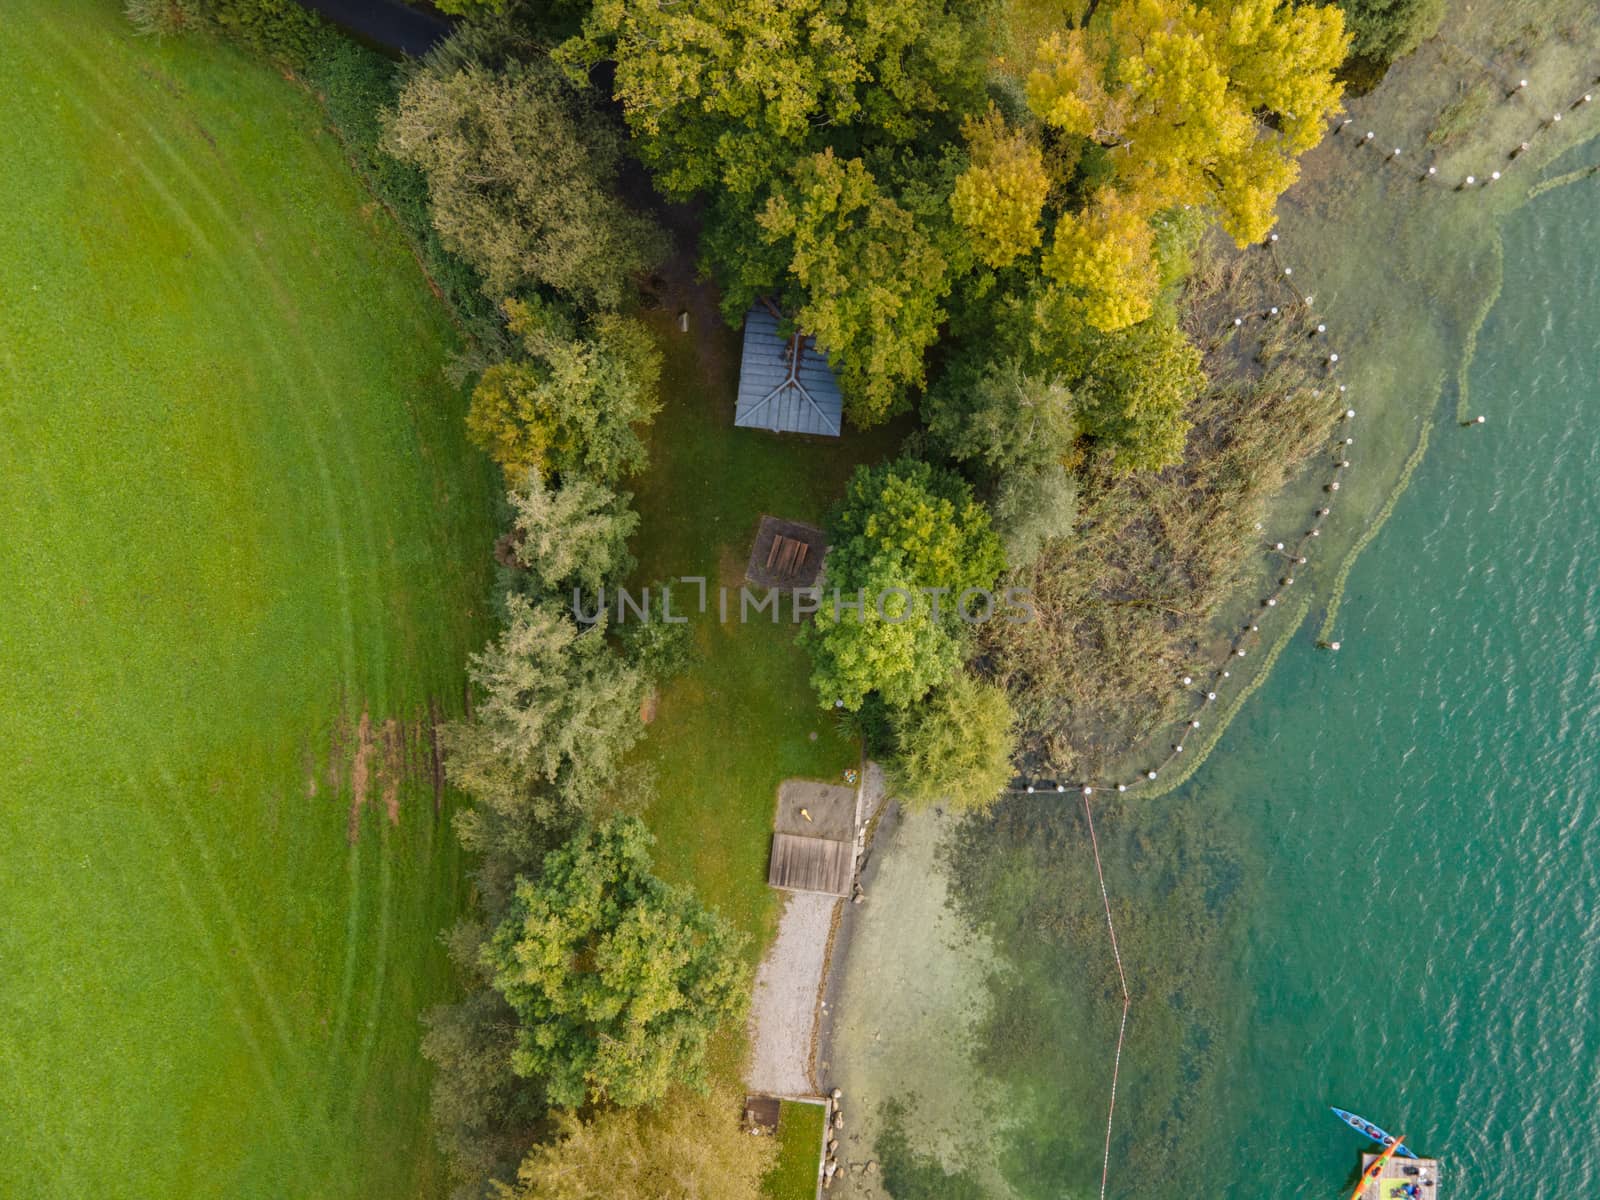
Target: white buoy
column 1122, row 787
column 1332, row 358
column 1149, row 774
column 1061, row 787
column 1087, row 790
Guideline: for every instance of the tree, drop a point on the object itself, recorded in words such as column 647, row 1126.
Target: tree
column 482, row 1112
column 1104, row 257
column 864, row 279
column 1385, row 30
column 1032, row 506
column 520, row 171
column 724, row 95
column 617, row 978
column 689, row 1147
column 955, row 746
column 1001, row 417
column 558, row 711
column 903, row 528
column 1133, row 387
column 1203, row 104
column 571, row 536
column 574, row 404
column 999, row 197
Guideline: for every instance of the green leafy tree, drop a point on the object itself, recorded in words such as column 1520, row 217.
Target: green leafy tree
column 1000, row 417
column 1133, row 387
column 483, row 1113
column 955, row 746
column 1033, row 506
column 689, row 1147
column 723, row 95
column 571, row 536
column 617, row 978
column 863, row 278
column 575, row 404
column 559, row 709
column 520, row 170
column 906, row 526
column 1385, row 30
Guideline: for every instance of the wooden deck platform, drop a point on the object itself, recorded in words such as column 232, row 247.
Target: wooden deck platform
column 812, row 864
column 1396, row 1175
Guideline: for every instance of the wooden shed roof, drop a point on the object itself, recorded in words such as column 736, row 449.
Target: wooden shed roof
column 779, row 394
column 811, row 864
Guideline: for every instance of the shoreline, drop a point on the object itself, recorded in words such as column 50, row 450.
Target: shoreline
column 1415, row 352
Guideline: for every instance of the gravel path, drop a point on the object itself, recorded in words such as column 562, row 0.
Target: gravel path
column 783, row 1013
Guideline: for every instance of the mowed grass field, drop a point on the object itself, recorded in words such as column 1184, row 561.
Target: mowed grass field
column 237, row 513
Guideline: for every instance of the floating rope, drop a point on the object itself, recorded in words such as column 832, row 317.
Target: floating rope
column 1122, row 980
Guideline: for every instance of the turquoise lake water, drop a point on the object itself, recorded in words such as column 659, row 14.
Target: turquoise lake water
column 1381, row 892
column 1425, row 804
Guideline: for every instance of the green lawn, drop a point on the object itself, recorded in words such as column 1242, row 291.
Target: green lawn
column 237, row 510
column 743, row 719
column 799, row 1152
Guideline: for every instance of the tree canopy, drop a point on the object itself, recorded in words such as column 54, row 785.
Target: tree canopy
column 1000, row 416
column 617, row 978
column 574, row 404
column 520, row 170
column 558, row 710
column 908, row 526
column 724, row 95
column 1199, row 104
column 864, row 279
column 955, row 746
column 572, row 535
column 689, row 1147
column 999, row 198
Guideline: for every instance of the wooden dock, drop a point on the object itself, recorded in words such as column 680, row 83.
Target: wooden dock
column 1399, row 1172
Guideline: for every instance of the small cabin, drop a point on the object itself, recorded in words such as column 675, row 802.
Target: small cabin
column 785, row 384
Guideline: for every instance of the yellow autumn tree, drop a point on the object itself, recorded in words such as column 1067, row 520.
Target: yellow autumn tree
column 1205, row 105
column 998, row 198
column 1103, row 255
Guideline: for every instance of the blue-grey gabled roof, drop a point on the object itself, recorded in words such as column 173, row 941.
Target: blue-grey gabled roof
column 806, row 400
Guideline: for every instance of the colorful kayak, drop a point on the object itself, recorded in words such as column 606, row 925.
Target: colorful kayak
column 1367, row 1129
column 1375, row 1169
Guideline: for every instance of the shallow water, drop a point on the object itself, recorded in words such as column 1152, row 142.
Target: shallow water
column 1381, row 891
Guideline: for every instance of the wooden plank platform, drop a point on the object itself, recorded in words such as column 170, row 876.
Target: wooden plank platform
column 1387, row 1186
column 812, row 864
